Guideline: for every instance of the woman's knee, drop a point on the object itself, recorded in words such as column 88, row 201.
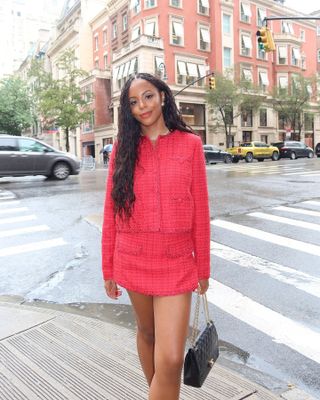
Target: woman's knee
column 170, row 363
column 146, row 334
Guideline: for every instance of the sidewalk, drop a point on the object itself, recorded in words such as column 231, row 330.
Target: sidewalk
column 51, row 355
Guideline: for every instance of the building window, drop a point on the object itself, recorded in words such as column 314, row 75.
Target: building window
column 96, row 43
column 159, row 67
column 203, row 7
column 176, row 3
column 226, row 24
column 105, row 61
column 124, row 22
column 245, row 12
column 286, row 27
column 150, row 3
column 303, row 62
column 283, row 84
column 246, row 45
column 263, row 117
column 247, row 75
column 264, row 138
column 261, row 14
column 308, row 122
column 282, row 55
column 136, row 32
column 135, row 6
column 177, row 32
column 295, row 56
column 227, row 62
column 188, row 72
column 262, row 55
column 193, row 114
column 302, row 35
column 246, row 117
column 122, row 73
column 263, row 80
column 114, row 30
column 105, row 37
column 150, row 28
column 318, row 30
column 204, row 36
column 96, row 63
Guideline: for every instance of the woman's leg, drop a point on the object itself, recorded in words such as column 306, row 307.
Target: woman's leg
column 171, row 315
column 143, row 308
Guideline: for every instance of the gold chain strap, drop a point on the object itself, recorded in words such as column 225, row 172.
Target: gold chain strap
column 196, row 317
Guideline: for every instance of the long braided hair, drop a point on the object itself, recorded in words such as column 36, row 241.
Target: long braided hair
column 128, row 139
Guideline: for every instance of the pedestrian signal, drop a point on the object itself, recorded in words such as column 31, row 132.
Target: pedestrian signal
column 265, row 39
column 212, row 82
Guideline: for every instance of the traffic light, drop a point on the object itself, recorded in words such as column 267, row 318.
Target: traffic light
column 212, row 82
column 265, row 39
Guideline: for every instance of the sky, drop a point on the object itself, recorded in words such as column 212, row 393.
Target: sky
column 306, row 6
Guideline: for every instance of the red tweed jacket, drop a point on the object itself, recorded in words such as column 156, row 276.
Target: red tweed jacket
column 171, row 197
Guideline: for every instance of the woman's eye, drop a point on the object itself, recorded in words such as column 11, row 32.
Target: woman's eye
column 132, row 103
column 149, row 96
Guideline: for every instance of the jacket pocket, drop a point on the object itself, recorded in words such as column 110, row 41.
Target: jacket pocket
column 179, row 249
column 182, row 207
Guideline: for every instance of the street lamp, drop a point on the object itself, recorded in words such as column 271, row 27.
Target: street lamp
column 163, row 70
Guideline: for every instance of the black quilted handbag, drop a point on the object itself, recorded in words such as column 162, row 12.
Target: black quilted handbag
column 204, row 352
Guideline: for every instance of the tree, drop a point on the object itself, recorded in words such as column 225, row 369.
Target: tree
column 15, row 106
column 292, row 101
column 232, row 99
column 60, row 101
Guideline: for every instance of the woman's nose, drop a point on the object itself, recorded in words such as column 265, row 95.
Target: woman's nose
column 141, row 103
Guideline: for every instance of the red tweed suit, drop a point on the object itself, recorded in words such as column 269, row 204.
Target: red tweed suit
column 164, row 249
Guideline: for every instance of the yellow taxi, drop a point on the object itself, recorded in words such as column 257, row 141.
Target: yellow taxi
column 249, row 151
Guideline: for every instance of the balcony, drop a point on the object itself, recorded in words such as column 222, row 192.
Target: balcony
column 141, row 41
column 64, row 38
column 101, row 73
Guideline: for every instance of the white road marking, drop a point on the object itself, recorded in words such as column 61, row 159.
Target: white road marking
column 17, row 219
column 269, row 237
column 297, row 211
column 288, row 221
column 304, row 173
column 280, row 328
column 6, row 198
column 9, row 203
column 13, row 210
column 30, row 247
column 21, row 231
column 300, row 280
column 312, row 202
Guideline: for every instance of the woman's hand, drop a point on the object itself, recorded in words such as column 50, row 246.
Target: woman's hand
column 112, row 289
column 203, row 286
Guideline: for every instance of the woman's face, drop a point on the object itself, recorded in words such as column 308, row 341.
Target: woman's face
column 145, row 102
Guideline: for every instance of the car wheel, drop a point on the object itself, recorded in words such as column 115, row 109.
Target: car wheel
column 235, row 160
column 227, row 159
column 260, row 159
column 61, row 170
column 249, row 157
column 275, row 156
column 293, row 156
column 310, row 154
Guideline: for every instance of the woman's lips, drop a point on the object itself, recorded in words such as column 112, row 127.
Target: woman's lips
column 145, row 115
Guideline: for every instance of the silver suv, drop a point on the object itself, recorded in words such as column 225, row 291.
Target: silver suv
column 21, row 156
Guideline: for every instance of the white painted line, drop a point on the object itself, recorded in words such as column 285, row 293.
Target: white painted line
column 269, row 237
column 9, row 203
column 297, row 211
column 13, row 210
column 6, row 198
column 300, row 280
column 304, row 173
column 312, row 202
column 29, row 247
column 288, row 221
column 17, row 219
column 21, row 231
column 280, row 328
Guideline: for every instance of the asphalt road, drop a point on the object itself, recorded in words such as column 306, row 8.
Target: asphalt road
column 265, row 290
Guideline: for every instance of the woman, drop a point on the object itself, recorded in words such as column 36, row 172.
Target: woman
column 156, row 230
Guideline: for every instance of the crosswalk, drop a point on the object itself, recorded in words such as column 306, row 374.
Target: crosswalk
column 277, row 250
column 302, row 168
column 17, row 223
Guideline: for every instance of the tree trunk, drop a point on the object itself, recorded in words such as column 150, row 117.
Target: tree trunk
column 67, row 139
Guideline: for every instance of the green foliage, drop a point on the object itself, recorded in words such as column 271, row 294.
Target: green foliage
column 15, row 106
column 294, row 100
column 61, row 101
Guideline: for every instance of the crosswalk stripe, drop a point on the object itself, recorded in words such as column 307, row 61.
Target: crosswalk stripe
column 21, row 231
column 304, row 173
column 312, row 202
column 298, row 211
column 288, row 221
column 300, row 280
column 9, row 203
column 13, row 210
column 282, row 329
column 29, row 247
column 17, row 219
column 269, row 237
column 6, row 198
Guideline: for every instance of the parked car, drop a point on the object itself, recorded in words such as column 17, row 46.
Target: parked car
column 253, row 150
column 292, row 149
column 21, row 156
column 214, row 155
column 318, row 150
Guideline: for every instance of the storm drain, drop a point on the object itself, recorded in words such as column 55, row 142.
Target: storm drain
column 77, row 358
